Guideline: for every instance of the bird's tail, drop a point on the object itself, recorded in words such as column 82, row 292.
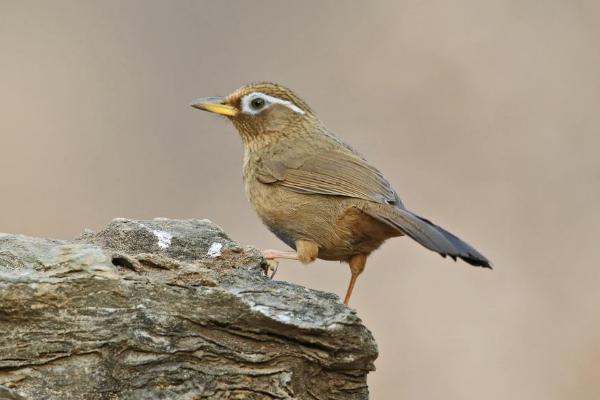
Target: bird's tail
column 428, row 234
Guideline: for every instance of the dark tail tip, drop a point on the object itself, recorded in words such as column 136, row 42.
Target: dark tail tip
column 477, row 262
column 464, row 251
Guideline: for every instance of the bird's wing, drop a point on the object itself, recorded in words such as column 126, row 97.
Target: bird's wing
column 336, row 172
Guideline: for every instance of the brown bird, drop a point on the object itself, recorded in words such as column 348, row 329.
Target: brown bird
column 316, row 193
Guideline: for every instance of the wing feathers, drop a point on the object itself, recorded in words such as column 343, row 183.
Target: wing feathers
column 337, row 173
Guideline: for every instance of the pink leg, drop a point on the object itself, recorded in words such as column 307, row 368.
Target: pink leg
column 271, row 254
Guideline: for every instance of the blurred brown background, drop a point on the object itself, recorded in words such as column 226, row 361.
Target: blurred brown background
column 483, row 115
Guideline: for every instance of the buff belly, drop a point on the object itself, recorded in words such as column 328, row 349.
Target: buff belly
column 337, row 225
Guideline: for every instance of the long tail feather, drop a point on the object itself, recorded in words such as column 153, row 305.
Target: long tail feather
column 428, row 234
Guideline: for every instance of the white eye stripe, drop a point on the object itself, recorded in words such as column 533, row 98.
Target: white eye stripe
column 269, row 100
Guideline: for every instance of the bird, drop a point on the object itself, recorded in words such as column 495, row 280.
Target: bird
column 314, row 191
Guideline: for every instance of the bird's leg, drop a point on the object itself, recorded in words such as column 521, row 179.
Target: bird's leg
column 271, row 254
column 306, row 252
column 357, row 266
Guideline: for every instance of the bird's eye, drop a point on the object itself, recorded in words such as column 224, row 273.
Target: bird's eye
column 257, row 103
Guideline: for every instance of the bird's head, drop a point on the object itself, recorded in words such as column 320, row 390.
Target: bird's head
column 262, row 112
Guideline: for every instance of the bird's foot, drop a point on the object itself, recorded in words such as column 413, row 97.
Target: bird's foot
column 272, row 258
column 271, row 266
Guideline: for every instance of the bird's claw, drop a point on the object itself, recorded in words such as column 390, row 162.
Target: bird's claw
column 271, row 266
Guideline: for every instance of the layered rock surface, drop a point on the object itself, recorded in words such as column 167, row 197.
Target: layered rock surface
column 168, row 309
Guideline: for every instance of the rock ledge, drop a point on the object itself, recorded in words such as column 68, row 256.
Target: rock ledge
column 168, row 309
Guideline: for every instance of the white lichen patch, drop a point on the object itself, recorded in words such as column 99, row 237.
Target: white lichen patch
column 164, row 238
column 214, row 250
column 335, row 326
column 105, row 310
column 278, row 315
column 147, row 337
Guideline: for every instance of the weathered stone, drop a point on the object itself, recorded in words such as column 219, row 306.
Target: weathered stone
column 168, row 309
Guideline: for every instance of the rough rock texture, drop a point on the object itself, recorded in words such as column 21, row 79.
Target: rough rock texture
column 168, row 309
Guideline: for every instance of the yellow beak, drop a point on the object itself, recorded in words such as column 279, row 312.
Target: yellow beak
column 215, row 105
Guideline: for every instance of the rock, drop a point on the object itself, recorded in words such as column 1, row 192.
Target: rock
column 168, row 309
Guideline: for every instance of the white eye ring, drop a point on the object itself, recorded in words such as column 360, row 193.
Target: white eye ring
column 249, row 108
